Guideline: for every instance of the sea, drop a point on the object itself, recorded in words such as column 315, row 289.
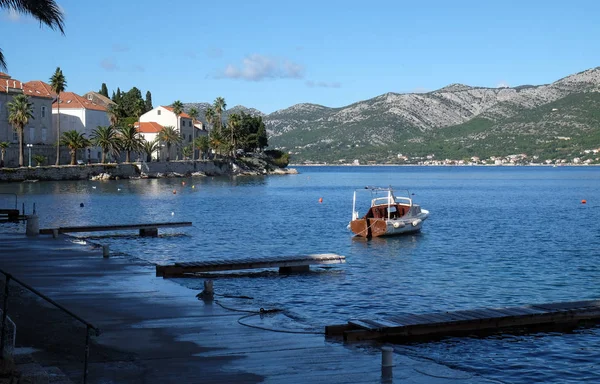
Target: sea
column 495, row 237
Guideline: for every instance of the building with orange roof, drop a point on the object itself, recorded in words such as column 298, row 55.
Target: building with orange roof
column 82, row 115
column 38, row 130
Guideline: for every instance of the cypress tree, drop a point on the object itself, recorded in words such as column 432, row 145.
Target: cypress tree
column 103, row 90
column 148, row 101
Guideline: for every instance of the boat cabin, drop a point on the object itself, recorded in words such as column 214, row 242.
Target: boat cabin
column 381, row 211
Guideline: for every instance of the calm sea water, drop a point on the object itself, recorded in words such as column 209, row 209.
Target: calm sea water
column 496, row 236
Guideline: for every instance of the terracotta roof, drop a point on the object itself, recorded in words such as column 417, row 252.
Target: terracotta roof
column 70, row 100
column 9, row 83
column 4, row 75
column 182, row 114
column 149, row 127
column 105, row 100
column 38, row 88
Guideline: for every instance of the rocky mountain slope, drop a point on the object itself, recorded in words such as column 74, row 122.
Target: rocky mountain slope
column 457, row 120
column 412, row 122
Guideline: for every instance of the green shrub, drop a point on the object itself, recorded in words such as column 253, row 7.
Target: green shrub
column 39, row 159
column 279, row 158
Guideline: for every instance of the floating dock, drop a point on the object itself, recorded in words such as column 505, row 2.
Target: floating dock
column 150, row 229
column 406, row 327
column 285, row 264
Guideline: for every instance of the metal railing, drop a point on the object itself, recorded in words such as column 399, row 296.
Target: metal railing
column 89, row 327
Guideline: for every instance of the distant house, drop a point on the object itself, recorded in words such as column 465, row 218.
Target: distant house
column 98, row 99
column 164, row 116
column 82, row 115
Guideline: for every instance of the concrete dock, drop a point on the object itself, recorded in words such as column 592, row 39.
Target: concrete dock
column 156, row 331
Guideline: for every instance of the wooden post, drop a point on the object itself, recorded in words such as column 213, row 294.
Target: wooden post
column 208, row 294
column 149, row 232
column 296, row 269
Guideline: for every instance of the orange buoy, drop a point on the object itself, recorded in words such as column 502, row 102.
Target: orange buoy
column 320, row 199
column 583, row 201
column 174, row 192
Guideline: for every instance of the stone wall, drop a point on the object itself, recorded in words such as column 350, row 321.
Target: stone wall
column 68, row 172
column 11, row 159
column 186, row 168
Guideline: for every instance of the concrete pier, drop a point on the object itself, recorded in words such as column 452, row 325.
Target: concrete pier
column 156, row 331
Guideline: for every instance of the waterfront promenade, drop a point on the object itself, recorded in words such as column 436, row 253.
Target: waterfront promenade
column 156, row 331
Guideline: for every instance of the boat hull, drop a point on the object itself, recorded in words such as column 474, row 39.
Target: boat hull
column 383, row 227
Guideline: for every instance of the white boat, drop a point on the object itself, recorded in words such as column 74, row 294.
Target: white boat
column 387, row 215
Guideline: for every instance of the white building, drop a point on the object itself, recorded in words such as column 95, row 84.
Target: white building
column 164, row 116
column 149, row 132
column 81, row 115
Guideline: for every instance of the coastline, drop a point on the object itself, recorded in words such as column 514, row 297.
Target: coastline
column 156, row 331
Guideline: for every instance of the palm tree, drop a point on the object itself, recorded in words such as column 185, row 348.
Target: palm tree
column 20, row 110
column 149, row 147
column 210, row 115
column 45, row 11
column 130, row 140
column 74, row 141
column 202, row 145
column 216, row 141
column 114, row 112
column 169, row 135
column 219, row 105
column 3, row 146
column 233, row 123
column 187, row 151
column 107, row 139
column 58, row 83
column 194, row 115
column 178, row 110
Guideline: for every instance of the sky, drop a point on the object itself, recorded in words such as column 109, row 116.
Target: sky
column 270, row 55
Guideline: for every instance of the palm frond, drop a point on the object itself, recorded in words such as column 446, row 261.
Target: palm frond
column 46, row 11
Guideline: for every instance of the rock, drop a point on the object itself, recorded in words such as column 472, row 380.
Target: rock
column 102, row 176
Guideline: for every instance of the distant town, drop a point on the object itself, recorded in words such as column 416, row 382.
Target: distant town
column 586, row 157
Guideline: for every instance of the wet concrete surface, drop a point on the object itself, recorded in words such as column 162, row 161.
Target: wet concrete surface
column 156, row 331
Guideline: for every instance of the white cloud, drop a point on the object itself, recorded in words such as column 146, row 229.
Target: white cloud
column 109, row 64
column 214, row 53
column 323, row 84
column 120, row 47
column 257, row 67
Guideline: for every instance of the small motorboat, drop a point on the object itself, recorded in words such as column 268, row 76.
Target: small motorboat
column 387, row 215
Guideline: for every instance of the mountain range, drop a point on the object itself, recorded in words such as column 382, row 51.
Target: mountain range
column 553, row 120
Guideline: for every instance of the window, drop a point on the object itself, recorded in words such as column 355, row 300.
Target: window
column 15, row 137
column 190, row 138
column 90, row 97
column 43, row 111
column 158, row 111
column 31, row 134
column 44, row 134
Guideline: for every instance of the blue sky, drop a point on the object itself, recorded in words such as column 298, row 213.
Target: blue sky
column 273, row 54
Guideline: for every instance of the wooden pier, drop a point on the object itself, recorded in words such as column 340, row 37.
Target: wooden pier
column 285, row 264
column 149, row 230
column 432, row 326
column 11, row 214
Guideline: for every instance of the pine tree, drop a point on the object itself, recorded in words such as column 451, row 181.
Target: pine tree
column 148, row 101
column 114, row 97
column 103, row 90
